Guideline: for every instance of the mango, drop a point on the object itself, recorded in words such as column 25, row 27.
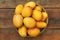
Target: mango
column 44, row 15
column 39, row 8
column 37, row 15
column 33, row 32
column 29, row 22
column 26, row 12
column 17, row 20
column 31, row 4
column 22, row 31
column 18, row 9
column 41, row 24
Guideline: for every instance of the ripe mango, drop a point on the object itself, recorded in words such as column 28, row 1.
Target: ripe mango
column 44, row 15
column 18, row 9
column 29, row 22
column 31, row 4
column 22, row 31
column 37, row 15
column 17, row 20
column 41, row 24
column 33, row 32
column 39, row 8
column 26, row 12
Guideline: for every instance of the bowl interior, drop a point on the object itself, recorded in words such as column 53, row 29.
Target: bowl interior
column 42, row 29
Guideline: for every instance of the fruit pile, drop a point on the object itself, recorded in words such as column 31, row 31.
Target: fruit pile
column 30, row 19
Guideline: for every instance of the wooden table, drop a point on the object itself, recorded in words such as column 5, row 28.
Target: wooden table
column 7, row 30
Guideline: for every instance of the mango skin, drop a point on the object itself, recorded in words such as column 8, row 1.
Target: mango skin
column 17, row 21
column 22, row 31
column 26, row 12
column 29, row 22
column 44, row 15
column 34, row 32
column 30, row 4
column 18, row 9
column 41, row 25
column 39, row 8
column 37, row 15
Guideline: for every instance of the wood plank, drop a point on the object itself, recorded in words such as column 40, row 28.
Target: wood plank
column 11, row 34
column 6, row 24
column 7, row 14
column 54, row 18
column 44, row 3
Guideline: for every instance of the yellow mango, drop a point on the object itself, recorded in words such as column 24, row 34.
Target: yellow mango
column 39, row 8
column 22, row 31
column 29, row 22
column 37, row 15
column 18, row 9
column 44, row 16
column 31, row 4
column 17, row 20
column 33, row 32
column 26, row 12
column 41, row 24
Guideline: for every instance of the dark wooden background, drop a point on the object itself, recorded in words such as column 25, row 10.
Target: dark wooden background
column 7, row 30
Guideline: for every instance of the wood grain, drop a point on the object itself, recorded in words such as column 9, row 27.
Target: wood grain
column 6, row 16
column 6, row 13
column 44, row 3
column 8, row 31
column 11, row 34
column 6, row 24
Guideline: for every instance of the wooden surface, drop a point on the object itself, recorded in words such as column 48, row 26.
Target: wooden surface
column 7, row 30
